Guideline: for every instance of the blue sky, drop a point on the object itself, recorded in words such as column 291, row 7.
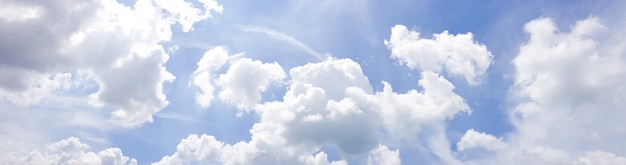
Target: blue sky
column 312, row 82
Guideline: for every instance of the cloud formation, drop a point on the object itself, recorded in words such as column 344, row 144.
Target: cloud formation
column 203, row 77
column 67, row 151
column 78, row 44
column 568, row 85
column 245, row 79
column 458, row 54
column 327, row 104
column 87, row 64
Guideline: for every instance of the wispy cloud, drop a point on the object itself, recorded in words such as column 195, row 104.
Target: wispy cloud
column 175, row 116
column 283, row 37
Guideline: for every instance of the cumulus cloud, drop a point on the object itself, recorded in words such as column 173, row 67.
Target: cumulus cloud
column 383, row 156
column 116, row 47
column 568, row 75
column 203, row 77
column 242, row 83
column 314, row 113
column 31, row 90
column 67, row 151
column 568, row 86
column 329, row 104
column 321, row 159
column 473, row 139
column 320, row 112
column 245, row 79
column 458, row 54
column 262, row 149
column 404, row 115
column 293, row 131
column 186, row 14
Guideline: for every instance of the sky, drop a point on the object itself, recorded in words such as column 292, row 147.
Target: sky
column 312, row 82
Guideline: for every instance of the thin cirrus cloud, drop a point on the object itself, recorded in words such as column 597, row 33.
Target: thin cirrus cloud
column 98, row 69
column 283, row 37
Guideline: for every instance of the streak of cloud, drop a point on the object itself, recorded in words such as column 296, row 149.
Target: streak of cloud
column 284, row 37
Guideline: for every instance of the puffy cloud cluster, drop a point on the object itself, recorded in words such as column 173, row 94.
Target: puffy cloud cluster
column 569, row 85
column 203, row 77
column 473, row 139
column 458, row 54
column 246, row 79
column 60, row 46
column 574, row 82
column 307, row 106
column 382, row 155
column 67, row 151
column 241, row 85
column 329, row 104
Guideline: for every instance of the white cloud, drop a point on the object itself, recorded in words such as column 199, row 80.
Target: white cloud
column 203, row 77
column 569, row 87
column 67, row 151
column 572, row 85
column 329, row 104
column 241, row 85
column 599, row 157
column 458, row 54
column 282, row 136
column 383, row 156
column 262, row 149
column 31, row 90
column 405, row 115
column 333, row 76
column 245, row 79
column 135, row 102
column 321, row 159
column 317, row 94
column 473, row 139
column 116, row 47
column 186, row 14
column 566, row 68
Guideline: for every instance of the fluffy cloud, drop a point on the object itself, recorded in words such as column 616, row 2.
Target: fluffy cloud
column 262, row 149
column 212, row 60
column 315, row 112
column 322, row 115
column 274, row 139
column 67, row 151
column 322, row 159
column 101, row 42
column 245, row 80
column 567, row 68
column 404, row 115
column 568, row 85
column 458, row 54
column 186, row 14
column 573, row 84
column 32, row 89
column 327, row 104
column 473, row 139
column 241, row 85
column 599, row 157
column 383, row 156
